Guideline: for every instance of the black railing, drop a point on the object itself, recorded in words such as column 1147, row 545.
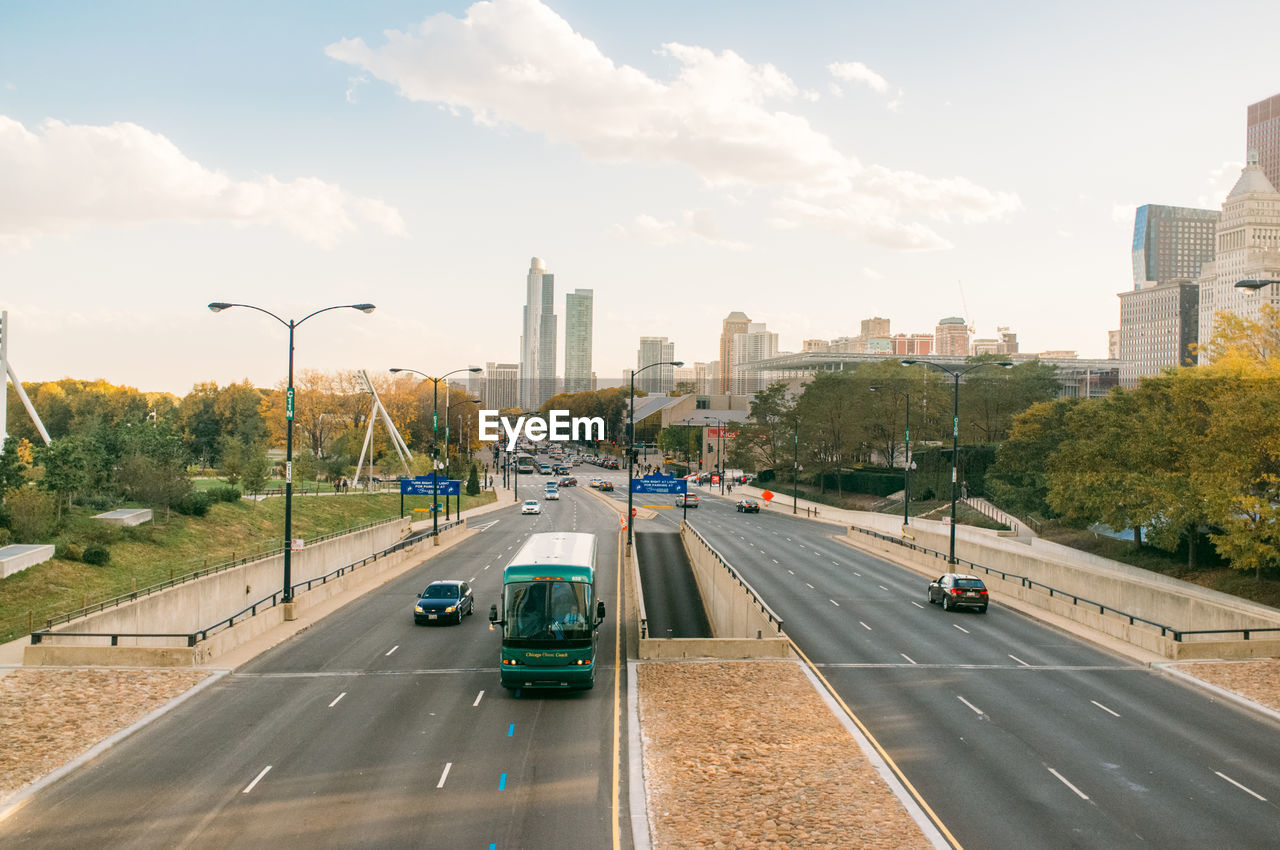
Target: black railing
column 263, row 604
column 1024, row 581
column 742, row 582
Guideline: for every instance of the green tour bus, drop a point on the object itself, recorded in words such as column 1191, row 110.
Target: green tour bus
column 548, row 590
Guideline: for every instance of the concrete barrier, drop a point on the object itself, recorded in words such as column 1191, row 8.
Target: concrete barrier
column 18, row 556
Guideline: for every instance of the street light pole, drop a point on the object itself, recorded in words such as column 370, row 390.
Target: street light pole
column 218, row 307
column 955, row 430
column 435, row 427
column 631, row 438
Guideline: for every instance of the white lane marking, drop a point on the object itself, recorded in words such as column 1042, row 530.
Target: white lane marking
column 788, row 539
column 473, row 579
column 961, row 628
column 1019, row 660
column 444, row 775
column 1241, row 787
column 793, row 572
column 337, row 699
column 1104, row 708
column 479, row 697
column 835, row 563
column 808, row 585
column 833, row 602
column 975, row 709
column 392, row 649
column 908, row 657
column 1063, row 780
column 859, row 575
column 775, row 560
column 882, row 587
column 256, row 780
column 864, row 625
column 917, row 604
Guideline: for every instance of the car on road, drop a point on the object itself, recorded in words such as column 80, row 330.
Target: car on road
column 531, row 506
column 568, row 481
column 443, row 601
column 689, row 500
column 959, row 590
column 748, row 506
column 606, row 486
column 552, row 494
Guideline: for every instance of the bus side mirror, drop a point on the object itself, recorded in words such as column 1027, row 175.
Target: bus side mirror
column 599, row 611
column 493, row 614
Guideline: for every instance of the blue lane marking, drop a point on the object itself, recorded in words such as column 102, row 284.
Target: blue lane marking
column 502, row 782
column 511, row 730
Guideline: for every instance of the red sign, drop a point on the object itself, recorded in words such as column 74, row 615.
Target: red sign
column 767, row 495
column 715, row 478
column 719, row 433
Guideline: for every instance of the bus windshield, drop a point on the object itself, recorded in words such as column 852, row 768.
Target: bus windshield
column 547, row 611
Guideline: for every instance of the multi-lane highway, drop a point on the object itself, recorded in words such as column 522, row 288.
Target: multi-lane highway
column 367, row 731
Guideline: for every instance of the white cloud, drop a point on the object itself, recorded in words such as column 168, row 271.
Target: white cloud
column 1123, row 214
column 354, row 83
column 1219, row 182
column 696, row 225
column 856, row 72
column 517, row 62
column 68, row 177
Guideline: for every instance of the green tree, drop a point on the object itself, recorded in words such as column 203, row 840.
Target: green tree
column 766, row 437
column 254, row 468
column 305, row 467
column 473, row 481
column 31, row 514
column 66, row 470
column 828, row 425
column 1019, row 479
column 154, row 467
column 12, row 469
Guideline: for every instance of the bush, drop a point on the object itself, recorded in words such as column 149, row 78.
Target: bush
column 225, row 493
column 68, row 552
column 98, row 556
column 5, row 537
column 193, row 503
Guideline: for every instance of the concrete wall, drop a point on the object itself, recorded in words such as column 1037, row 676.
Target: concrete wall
column 201, row 603
column 1177, row 604
column 17, row 557
column 733, row 612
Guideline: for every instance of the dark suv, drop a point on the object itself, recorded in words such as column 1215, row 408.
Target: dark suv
column 959, row 590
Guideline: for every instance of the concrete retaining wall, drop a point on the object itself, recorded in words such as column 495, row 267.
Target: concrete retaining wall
column 17, row 557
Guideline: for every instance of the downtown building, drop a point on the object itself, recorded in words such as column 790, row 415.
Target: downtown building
column 951, row 337
column 1160, row 316
column 501, row 390
column 1262, row 134
column 754, row 344
column 538, row 338
column 578, row 312
column 659, row 380
column 735, row 323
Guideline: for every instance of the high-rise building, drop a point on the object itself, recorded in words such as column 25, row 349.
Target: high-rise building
column 1248, row 248
column 578, row 309
column 1171, row 243
column 538, row 340
column 875, row 328
column 660, row 379
column 1262, row 134
column 1113, row 345
column 755, row 344
column 951, row 337
column 735, row 323
column 501, row 386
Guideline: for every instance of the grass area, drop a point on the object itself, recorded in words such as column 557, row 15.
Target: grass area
column 926, row 509
column 155, row 552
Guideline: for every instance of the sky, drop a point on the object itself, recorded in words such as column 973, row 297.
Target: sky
column 811, row 164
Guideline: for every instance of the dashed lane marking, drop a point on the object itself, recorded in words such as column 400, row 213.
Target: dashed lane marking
column 1063, row 780
column 256, row 780
column 337, row 699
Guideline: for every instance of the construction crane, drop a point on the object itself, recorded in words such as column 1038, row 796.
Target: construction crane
column 968, row 319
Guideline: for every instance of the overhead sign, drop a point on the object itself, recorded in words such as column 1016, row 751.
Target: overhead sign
column 659, row 484
column 721, row 433
column 426, row 486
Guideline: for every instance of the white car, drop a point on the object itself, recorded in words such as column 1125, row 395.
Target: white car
column 531, row 506
column 552, row 495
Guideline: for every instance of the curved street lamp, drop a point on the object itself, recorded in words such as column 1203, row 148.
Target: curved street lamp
column 435, row 474
column 631, row 437
column 218, row 307
column 955, row 428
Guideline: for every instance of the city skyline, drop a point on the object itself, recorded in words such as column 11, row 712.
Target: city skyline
column 678, row 162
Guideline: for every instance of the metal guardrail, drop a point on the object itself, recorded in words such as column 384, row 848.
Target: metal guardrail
column 133, row 595
column 764, row 608
column 1165, row 630
column 263, row 604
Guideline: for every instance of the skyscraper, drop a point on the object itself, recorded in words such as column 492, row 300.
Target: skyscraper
column 538, row 340
column 756, row 343
column 951, row 336
column 1262, row 134
column 501, row 386
column 578, row 308
column 735, row 323
column 659, row 379
column 1171, row 243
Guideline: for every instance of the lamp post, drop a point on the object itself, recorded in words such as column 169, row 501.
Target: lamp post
column 795, row 466
column 906, row 460
column 631, row 436
column 435, row 426
column 955, row 429
column 218, row 307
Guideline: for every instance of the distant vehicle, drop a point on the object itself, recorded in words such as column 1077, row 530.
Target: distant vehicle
column 531, row 506
column 545, row 469
column 684, row 500
column 443, row 601
column 568, row 481
column 548, row 591
column 959, row 590
column 552, row 493
column 748, row 506
column 606, row 486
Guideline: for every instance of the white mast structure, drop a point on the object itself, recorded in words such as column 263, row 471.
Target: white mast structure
column 7, row 368
column 376, row 411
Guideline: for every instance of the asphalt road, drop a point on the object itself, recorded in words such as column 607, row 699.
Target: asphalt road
column 1015, row 734
column 368, row 731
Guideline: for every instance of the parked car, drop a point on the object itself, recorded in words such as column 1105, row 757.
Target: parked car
column 959, row 590
column 748, row 506
column 531, row 506
column 689, row 500
column 443, row 601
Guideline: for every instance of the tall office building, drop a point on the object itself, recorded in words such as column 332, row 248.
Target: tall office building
column 1248, row 248
column 660, row 379
column 875, row 328
column 1262, row 134
column 1171, row 243
column 538, row 340
column 578, row 309
column 951, row 336
column 501, row 386
column 735, row 323
column 757, row 343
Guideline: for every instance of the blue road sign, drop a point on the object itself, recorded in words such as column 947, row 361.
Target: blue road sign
column 423, row 486
column 659, row 484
